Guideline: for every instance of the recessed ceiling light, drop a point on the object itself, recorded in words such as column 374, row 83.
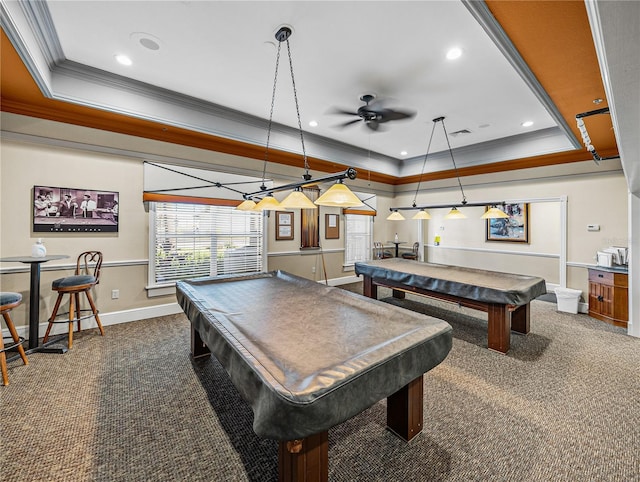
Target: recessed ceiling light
column 527, row 124
column 454, row 53
column 313, row 123
column 403, row 153
column 123, row 59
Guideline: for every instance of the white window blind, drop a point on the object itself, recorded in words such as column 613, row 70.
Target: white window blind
column 358, row 238
column 194, row 240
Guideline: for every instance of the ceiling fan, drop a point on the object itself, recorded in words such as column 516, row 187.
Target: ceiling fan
column 373, row 114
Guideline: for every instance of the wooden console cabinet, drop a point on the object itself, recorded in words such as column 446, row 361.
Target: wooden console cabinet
column 609, row 296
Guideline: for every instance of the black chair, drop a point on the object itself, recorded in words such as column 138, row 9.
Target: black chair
column 413, row 254
column 87, row 275
column 8, row 301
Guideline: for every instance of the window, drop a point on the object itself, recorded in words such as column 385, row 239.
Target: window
column 358, row 238
column 194, row 240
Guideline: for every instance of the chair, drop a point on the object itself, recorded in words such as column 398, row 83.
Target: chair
column 413, row 254
column 8, row 301
column 87, row 275
column 379, row 252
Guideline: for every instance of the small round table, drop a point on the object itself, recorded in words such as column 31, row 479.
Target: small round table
column 34, row 291
column 397, row 243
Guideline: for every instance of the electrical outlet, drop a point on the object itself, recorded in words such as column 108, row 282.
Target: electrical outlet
column 313, row 269
column 115, row 294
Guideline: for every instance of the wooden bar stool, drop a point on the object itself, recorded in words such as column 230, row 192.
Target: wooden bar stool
column 9, row 301
column 86, row 276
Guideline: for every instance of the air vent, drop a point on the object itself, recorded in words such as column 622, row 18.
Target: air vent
column 460, row 132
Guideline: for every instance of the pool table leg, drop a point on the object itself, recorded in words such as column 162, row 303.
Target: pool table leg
column 369, row 288
column 305, row 460
column 520, row 319
column 198, row 347
column 405, row 410
column 499, row 330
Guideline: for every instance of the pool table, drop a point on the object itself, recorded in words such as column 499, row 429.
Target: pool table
column 307, row 357
column 505, row 297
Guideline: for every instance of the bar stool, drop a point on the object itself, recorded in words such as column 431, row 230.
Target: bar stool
column 86, row 276
column 8, row 301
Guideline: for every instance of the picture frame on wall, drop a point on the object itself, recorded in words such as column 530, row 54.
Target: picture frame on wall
column 331, row 226
column 59, row 209
column 514, row 229
column 284, row 226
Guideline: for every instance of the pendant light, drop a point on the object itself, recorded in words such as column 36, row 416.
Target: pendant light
column 267, row 203
column 422, row 214
column 246, row 205
column 395, row 216
column 297, row 200
column 494, row 213
column 339, row 195
column 454, row 214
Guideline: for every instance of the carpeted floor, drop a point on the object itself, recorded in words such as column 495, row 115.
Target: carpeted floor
column 563, row 405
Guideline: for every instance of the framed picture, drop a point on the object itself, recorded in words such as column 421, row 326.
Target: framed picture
column 70, row 210
column 331, row 226
column 284, row 225
column 514, row 229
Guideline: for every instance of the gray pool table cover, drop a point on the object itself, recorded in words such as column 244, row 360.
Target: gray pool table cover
column 307, row 356
column 469, row 283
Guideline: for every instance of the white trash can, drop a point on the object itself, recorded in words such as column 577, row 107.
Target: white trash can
column 568, row 299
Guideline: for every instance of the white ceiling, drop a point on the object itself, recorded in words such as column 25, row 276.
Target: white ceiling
column 224, row 53
column 219, row 55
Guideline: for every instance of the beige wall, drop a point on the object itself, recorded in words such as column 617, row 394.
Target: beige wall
column 28, row 161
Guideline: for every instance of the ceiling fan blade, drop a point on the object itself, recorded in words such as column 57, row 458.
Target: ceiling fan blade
column 391, row 115
column 337, row 110
column 348, row 123
column 373, row 125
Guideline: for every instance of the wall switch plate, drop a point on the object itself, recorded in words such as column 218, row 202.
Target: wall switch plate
column 593, row 227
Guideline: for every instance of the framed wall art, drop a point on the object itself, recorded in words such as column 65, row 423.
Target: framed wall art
column 331, row 226
column 284, row 225
column 513, row 229
column 70, row 210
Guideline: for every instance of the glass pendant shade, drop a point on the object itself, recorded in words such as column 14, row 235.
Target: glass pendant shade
column 297, row 200
column 493, row 213
column 247, row 205
column 267, row 203
column 395, row 216
column 422, row 214
column 340, row 196
column 455, row 214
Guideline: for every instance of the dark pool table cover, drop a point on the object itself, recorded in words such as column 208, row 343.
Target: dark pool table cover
column 307, row 356
column 469, row 283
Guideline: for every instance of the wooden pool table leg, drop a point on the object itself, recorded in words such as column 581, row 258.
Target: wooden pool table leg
column 305, row 460
column 499, row 330
column 198, row 347
column 520, row 319
column 369, row 288
column 405, row 410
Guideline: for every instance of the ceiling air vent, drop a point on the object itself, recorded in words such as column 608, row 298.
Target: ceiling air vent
column 460, row 132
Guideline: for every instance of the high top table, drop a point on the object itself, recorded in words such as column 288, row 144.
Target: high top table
column 34, row 291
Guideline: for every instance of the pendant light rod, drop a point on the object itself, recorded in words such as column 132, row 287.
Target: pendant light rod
column 349, row 173
column 451, row 205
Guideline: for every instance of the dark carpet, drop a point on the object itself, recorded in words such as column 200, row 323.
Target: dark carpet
column 563, row 405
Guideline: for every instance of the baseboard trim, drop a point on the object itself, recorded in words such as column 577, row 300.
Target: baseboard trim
column 107, row 319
